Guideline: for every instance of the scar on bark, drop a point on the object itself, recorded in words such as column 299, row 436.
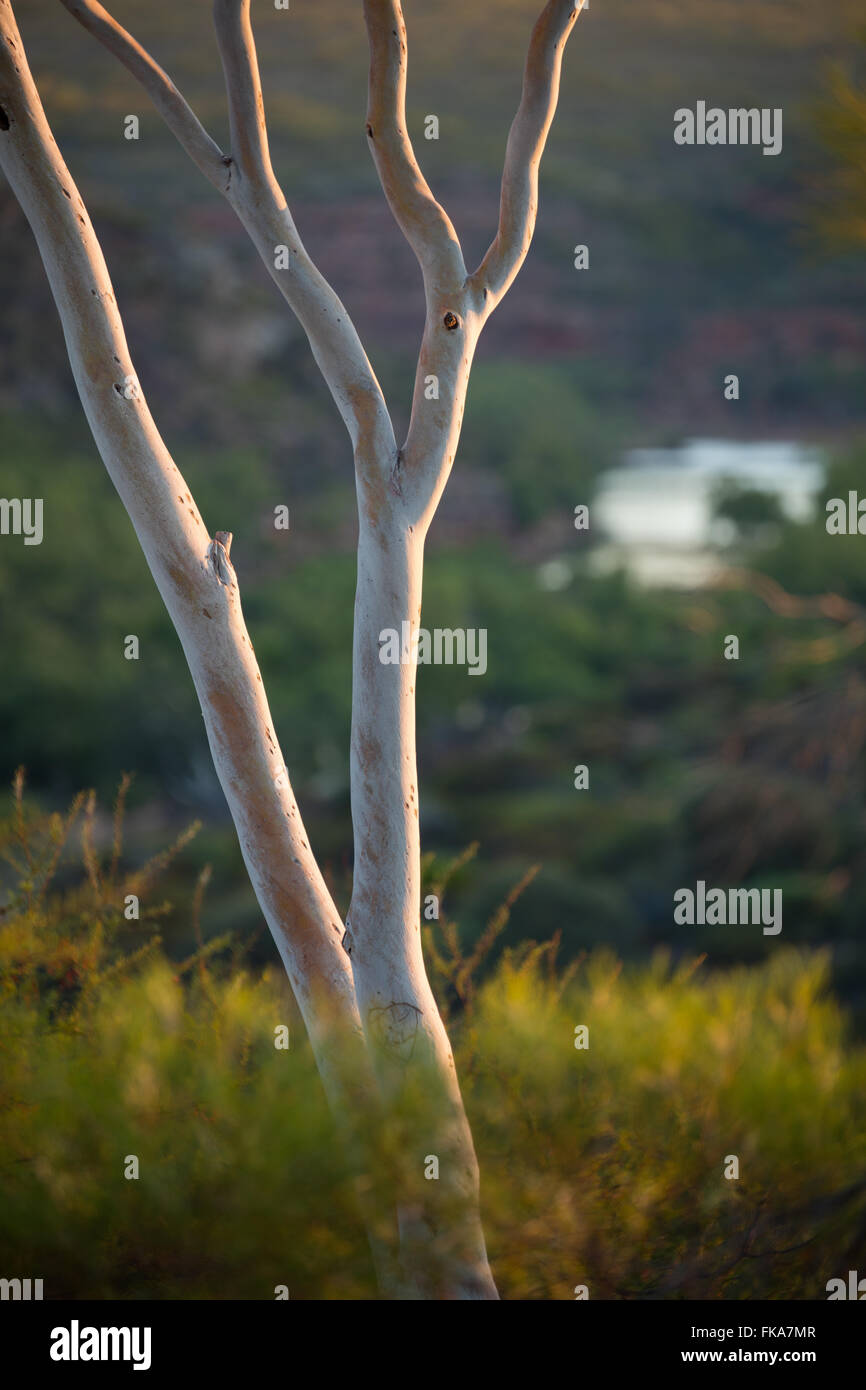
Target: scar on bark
column 396, row 486
column 395, row 1026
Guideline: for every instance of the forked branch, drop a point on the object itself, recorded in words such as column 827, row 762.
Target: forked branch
column 424, row 223
column 458, row 305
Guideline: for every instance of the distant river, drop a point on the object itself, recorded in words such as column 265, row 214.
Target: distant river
column 655, row 512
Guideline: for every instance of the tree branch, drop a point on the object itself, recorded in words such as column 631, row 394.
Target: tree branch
column 180, row 119
column 249, row 132
column 452, row 322
column 424, row 223
column 526, row 140
column 247, row 180
column 261, row 206
column 193, row 573
column 458, row 306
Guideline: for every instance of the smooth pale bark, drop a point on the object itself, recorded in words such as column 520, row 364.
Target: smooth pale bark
column 394, row 995
column 441, row 1230
column 375, row 979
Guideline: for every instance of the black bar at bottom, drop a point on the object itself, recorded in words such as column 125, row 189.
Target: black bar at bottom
column 226, row 1339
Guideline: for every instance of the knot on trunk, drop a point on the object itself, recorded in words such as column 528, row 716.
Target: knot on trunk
column 218, row 555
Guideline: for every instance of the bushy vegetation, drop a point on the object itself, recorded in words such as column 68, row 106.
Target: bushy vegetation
column 601, row 1166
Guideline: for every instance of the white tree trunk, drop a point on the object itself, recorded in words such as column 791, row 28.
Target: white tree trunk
column 440, row 1225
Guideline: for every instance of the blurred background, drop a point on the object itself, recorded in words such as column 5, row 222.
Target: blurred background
column 601, row 387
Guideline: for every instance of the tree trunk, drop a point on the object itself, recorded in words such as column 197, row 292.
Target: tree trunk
column 441, row 1236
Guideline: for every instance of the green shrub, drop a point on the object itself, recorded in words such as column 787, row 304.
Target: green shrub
column 600, row 1166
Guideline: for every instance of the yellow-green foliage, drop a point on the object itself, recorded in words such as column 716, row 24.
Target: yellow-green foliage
column 841, row 123
column 605, row 1166
column 601, row 1166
